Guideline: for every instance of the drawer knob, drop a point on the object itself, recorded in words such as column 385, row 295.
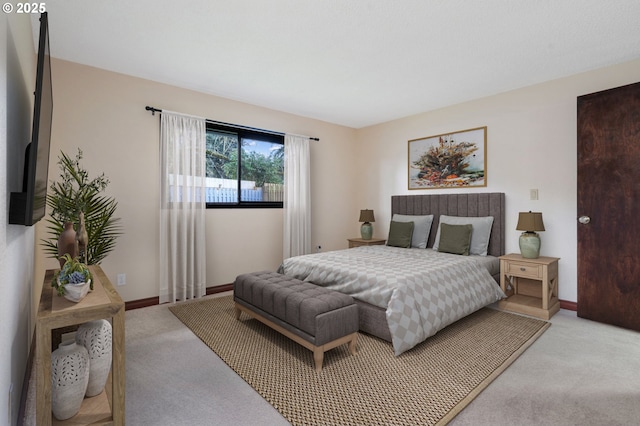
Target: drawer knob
column 523, row 269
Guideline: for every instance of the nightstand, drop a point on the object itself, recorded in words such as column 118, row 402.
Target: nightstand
column 357, row 242
column 531, row 285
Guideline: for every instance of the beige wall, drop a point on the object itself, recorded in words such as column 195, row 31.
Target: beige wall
column 103, row 113
column 531, row 144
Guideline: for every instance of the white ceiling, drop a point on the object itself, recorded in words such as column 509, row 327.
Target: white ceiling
column 350, row 62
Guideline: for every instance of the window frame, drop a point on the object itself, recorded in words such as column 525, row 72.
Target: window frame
column 246, row 133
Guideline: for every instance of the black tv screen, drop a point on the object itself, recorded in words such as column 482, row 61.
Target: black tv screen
column 28, row 207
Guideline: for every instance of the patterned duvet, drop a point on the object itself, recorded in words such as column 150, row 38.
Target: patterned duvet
column 422, row 290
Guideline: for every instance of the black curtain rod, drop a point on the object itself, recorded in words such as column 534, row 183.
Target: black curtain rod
column 222, row 123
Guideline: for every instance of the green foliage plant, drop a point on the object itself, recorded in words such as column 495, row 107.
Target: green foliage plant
column 73, row 193
column 73, row 272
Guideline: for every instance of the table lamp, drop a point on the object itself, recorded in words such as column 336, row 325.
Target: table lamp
column 366, row 230
column 530, row 222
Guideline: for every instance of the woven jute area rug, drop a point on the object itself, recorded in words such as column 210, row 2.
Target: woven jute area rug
column 426, row 385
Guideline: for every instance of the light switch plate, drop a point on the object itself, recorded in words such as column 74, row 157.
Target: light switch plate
column 533, row 194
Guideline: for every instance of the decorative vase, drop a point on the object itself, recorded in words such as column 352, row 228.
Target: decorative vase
column 67, row 243
column 82, row 238
column 76, row 292
column 69, row 379
column 95, row 336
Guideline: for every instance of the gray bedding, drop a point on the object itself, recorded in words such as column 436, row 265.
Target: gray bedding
column 422, row 290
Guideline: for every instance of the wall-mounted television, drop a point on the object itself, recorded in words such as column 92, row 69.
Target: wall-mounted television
column 28, row 207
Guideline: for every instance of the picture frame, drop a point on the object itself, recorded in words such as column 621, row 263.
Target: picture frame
column 449, row 160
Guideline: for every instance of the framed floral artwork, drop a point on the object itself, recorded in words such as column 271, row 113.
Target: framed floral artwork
column 449, row 160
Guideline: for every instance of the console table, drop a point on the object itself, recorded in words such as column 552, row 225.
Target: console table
column 57, row 312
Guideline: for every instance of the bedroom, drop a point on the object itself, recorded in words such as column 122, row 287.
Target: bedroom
column 369, row 168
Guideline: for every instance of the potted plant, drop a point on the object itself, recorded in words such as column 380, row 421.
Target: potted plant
column 74, row 280
column 74, row 196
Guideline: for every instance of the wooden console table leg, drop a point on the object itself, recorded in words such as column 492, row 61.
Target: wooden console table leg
column 43, row 375
column 118, row 367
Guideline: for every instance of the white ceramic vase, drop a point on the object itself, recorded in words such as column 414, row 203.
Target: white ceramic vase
column 69, row 379
column 95, row 336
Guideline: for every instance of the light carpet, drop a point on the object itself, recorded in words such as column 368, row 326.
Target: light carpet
column 426, row 385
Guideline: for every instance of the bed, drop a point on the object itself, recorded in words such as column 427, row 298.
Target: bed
column 406, row 295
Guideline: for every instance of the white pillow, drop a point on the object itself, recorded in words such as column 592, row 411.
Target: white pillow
column 479, row 236
column 421, row 228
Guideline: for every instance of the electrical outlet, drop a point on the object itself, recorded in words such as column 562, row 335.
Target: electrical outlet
column 318, row 249
column 122, row 279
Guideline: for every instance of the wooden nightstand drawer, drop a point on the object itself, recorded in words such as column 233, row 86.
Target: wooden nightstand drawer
column 525, row 270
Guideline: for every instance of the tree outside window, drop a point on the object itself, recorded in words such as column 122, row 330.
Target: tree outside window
column 245, row 168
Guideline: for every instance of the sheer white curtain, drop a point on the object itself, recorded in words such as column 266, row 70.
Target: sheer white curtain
column 182, row 208
column 297, row 198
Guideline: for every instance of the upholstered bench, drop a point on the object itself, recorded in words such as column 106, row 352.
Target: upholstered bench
column 315, row 317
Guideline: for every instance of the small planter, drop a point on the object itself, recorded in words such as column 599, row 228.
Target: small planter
column 73, row 281
column 76, row 292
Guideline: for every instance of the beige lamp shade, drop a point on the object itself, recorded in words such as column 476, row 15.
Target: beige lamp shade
column 366, row 216
column 530, row 222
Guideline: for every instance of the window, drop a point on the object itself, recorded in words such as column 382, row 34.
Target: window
column 245, row 168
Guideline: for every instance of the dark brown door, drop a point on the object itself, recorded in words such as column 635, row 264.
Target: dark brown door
column 609, row 206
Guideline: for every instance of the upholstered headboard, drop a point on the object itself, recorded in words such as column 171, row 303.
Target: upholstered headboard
column 473, row 204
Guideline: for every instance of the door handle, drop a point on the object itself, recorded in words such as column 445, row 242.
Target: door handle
column 584, row 219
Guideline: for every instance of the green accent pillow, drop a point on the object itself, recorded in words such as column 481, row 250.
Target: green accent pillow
column 400, row 234
column 455, row 239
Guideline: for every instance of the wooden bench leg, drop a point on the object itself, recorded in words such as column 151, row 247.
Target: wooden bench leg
column 352, row 344
column 236, row 312
column 318, row 358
